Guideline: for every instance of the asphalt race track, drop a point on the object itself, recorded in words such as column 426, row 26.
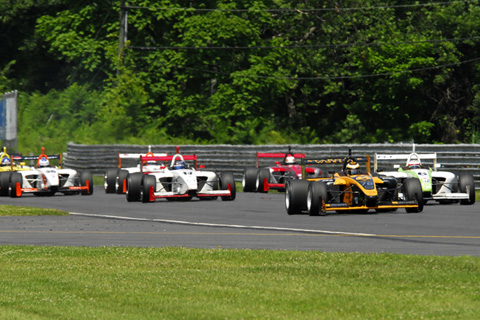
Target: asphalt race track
column 252, row 221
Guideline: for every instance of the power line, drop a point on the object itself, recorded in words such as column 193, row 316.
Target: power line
column 337, row 77
column 339, row 45
column 336, row 8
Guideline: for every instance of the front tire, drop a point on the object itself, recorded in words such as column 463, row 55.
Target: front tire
column 148, row 181
column 413, row 191
column 227, row 178
column 260, row 182
column 134, row 186
column 466, row 183
column 317, row 195
column 121, row 181
column 296, row 196
column 111, row 180
column 249, row 181
column 86, row 176
column 15, row 180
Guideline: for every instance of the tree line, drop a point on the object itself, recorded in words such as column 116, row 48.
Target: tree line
column 242, row 72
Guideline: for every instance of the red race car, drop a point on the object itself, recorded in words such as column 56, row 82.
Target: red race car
column 275, row 177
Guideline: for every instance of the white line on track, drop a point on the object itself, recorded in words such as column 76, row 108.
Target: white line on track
column 204, row 224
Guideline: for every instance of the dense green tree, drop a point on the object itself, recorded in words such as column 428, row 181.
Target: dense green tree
column 275, row 71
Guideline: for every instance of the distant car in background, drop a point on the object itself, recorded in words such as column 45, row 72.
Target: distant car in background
column 176, row 180
column 8, row 164
column 441, row 186
column 45, row 179
column 116, row 178
column 275, row 177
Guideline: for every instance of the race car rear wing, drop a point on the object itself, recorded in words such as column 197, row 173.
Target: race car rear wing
column 138, row 155
column 167, row 158
column 390, row 157
column 277, row 155
column 43, row 155
column 328, row 161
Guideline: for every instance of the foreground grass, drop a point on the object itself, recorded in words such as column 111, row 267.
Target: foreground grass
column 180, row 283
column 7, row 210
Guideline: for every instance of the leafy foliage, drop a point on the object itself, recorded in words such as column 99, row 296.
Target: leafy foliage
column 241, row 72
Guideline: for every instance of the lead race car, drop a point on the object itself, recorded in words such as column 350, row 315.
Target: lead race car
column 275, row 177
column 44, row 179
column 351, row 190
column 115, row 178
column 177, row 181
column 440, row 186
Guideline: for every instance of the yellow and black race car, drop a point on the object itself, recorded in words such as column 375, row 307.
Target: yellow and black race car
column 351, row 190
column 8, row 165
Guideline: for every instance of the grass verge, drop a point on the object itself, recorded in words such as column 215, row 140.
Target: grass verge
column 181, row 283
column 8, row 210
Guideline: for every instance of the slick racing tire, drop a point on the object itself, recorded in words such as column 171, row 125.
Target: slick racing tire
column 227, row 178
column 134, row 187
column 15, row 178
column 466, row 183
column 111, row 180
column 148, row 181
column 296, row 196
column 4, row 183
column 262, row 174
column 121, row 181
column 413, row 191
column 86, row 176
column 317, row 194
column 249, row 181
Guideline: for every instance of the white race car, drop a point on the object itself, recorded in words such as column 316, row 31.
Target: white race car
column 440, row 186
column 178, row 181
column 44, row 179
column 115, row 178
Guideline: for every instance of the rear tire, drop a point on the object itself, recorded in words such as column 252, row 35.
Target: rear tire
column 249, row 181
column 148, row 181
column 296, row 196
column 121, row 180
column 466, row 183
column 317, row 195
column 111, row 180
column 86, row 176
column 225, row 179
column 262, row 174
column 134, row 187
column 413, row 191
column 4, row 183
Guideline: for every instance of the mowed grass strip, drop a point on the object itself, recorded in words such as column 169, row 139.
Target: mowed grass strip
column 8, row 210
column 181, row 283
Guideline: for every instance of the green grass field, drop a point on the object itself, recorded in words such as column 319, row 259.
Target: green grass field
column 181, row 283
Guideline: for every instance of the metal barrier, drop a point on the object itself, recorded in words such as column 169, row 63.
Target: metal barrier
column 456, row 158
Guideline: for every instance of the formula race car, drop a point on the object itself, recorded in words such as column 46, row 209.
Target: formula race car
column 7, row 165
column 440, row 186
column 178, row 181
column 44, row 179
column 115, row 178
column 351, row 190
column 275, row 177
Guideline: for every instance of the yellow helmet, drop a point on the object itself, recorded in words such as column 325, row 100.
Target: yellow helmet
column 352, row 167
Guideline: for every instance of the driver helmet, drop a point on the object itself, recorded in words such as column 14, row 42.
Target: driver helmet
column 353, row 168
column 290, row 159
column 43, row 162
column 6, row 161
column 414, row 165
column 179, row 164
column 150, row 163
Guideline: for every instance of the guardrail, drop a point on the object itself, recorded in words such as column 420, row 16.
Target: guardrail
column 456, row 158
